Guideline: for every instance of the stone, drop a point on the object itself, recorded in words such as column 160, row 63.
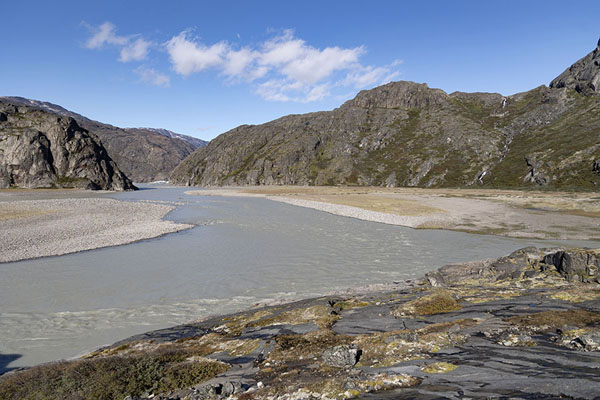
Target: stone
column 3, row 117
column 40, row 150
column 574, row 264
column 596, row 166
column 591, row 341
column 343, row 356
column 583, row 76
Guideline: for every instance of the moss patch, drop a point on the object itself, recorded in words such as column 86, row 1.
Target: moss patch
column 109, row 377
column 439, row 368
column 548, row 320
column 436, row 303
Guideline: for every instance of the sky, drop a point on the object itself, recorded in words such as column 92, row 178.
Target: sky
column 201, row 68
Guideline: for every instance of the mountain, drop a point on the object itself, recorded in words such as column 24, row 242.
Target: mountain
column 143, row 154
column 407, row 134
column 190, row 139
column 39, row 149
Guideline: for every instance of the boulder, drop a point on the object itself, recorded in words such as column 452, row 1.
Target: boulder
column 575, row 264
column 344, row 356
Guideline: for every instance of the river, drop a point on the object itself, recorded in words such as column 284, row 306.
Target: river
column 242, row 251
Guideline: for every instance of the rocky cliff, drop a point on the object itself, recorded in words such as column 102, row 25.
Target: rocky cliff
column 407, row 134
column 144, row 154
column 42, row 150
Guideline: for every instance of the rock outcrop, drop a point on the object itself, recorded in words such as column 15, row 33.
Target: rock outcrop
column 407, row 134
column 583, row 76
column 143, row 154
column 42, row 150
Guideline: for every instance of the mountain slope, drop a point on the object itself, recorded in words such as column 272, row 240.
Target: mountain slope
column 190, row 139
column 142, row 153
column 39, row 149
column 407, row 134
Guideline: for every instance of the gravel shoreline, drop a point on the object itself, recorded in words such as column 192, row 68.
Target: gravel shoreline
column 518, row 215
column 41, row 228
column 336, row 209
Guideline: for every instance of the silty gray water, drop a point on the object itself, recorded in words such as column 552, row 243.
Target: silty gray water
column 244, row 250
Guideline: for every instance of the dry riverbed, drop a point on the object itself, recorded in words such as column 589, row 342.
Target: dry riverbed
column 525, row 214
column 69, row 222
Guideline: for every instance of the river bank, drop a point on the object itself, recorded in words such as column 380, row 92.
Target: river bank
column 525, row 326
column 510, row 213
column 69, row 222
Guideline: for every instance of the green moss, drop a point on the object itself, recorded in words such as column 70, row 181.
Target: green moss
column 109, row 377
column 549, row 320
column 436, row 303
column 65, row 181
column 439, row 368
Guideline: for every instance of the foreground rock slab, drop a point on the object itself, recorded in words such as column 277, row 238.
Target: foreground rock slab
column 520, row 327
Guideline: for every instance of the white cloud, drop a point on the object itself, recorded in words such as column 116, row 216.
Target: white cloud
column 367, row 76
column 241, row 64
column 135, row 51
column 304, row 63
column 189, row 57
column 152, row 77
column 105, row 34
column 132, row 48
column 282, row 68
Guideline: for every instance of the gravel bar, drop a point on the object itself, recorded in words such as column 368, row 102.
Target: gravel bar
column 41, row 228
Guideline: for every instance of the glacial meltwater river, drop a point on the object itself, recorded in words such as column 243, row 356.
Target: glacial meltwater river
column 242, row 251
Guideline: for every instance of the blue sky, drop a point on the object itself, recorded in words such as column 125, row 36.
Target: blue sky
column 202, row 68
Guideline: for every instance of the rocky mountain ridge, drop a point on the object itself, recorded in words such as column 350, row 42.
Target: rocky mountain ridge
column 407, row 134
column 39, row 149
column 190, row 139
column 144, row 154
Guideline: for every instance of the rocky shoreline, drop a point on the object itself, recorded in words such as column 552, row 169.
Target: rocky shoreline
column 522, row 326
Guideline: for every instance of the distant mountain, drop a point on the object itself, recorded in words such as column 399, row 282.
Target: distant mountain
column 197, row 143
column 407, row 134
column 40, row 150
column 143, row 154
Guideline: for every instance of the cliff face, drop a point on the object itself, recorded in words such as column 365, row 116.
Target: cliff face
column 41, row 150
column 144, row 154
column 583, row 76
column 407, row 134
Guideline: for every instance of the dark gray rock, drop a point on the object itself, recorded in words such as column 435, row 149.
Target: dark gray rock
column 143, row 154
column 343, row 356
column 39, row 149
column 574, row 264
column 583, row 76
column 596, row 167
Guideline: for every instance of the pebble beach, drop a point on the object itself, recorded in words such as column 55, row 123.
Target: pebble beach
column 41, row 228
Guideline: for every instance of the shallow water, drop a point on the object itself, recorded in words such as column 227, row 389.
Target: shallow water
column 243, row 250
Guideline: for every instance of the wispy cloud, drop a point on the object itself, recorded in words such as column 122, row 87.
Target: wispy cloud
column 152, row 77
column 135, row 51
column 104, row 34
column 132, row 47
